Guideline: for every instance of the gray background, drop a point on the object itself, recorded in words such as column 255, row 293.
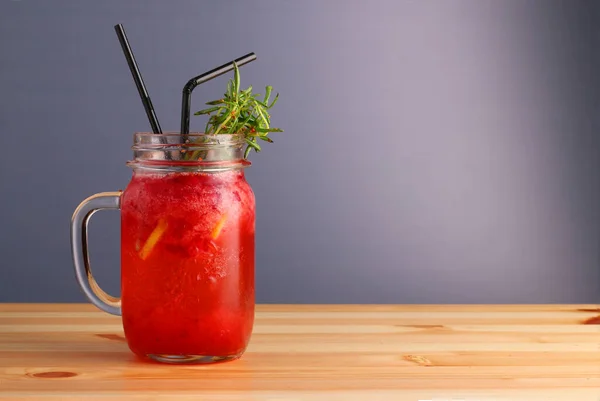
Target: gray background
column 435, row 151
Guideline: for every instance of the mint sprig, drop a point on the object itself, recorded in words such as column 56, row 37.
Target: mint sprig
column 241, row 112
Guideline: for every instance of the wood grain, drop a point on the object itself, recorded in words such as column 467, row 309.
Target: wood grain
column 317, row 352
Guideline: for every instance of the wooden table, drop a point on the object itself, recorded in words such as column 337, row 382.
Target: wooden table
column 317, row 352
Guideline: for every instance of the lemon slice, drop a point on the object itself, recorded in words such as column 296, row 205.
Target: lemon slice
column 218, row 227
column 156, row 234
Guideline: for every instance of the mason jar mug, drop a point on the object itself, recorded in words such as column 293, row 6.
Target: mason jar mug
column 187, row 248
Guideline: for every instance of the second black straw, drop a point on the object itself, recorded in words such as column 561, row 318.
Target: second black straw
column 207, row 76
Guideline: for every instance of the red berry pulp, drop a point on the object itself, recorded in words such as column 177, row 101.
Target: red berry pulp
column 187, row 263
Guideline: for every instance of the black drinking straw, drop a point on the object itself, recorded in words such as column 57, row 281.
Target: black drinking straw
column 207, row 76
column 137, row 77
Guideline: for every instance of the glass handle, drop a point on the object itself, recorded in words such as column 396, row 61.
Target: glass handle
column 79, row 249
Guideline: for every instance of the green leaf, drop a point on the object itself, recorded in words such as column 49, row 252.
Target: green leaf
column 230, row 103
column 253, row 144
column 214, row 102
column 236, row 75
column 261, row 103
column 262, row 116
column 247, row 151
column 207, row 111
column 268, row 90
column 274, row 101
column 269, row 130
column 223, row 124
column 266, row 138
column 247, row 92
column 229, row 93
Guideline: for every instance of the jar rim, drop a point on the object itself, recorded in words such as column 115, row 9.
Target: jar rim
column 173, row 134
column 214, row 152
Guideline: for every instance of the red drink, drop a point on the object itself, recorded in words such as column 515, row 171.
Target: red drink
column 187, row 260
